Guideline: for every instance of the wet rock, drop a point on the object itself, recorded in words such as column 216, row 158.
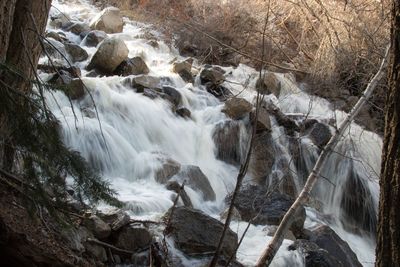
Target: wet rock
column 72, row 71
column 314, row 256
column 212, row 78
column 269, row 84
column 97, row 226
column 173, row 95
column 227, row 142
column 327, row 239
column 183, row 112
column 285, row 121
column 56, row 36
column 176, row 187
column 153, row 43
column 196, row 233
column 132, row 66
column 271, row 230
column 262, row 158
column 141, row 259
column 263, row 122
column 169, row 168
column 116, row 218
column 237, row 108
column 269, row 206
column 74, row 88
column 143, row 81
column 59, row 20
column 54, row 49
column 76, row 52
column 132, row 237
column 96, row 251
column 235, row 214
column 75, row 237
column 196, row 180
column 110, row 54
column 78, row 28
column 319, row 133
column 93, row 38
column 109, row 20
column 184, row 69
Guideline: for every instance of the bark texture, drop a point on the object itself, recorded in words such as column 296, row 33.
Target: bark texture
column 388, row 242
column 21, row 24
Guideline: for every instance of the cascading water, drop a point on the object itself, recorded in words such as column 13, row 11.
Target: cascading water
column 126, row 135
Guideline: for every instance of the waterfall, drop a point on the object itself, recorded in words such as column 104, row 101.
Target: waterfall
column 126, row 135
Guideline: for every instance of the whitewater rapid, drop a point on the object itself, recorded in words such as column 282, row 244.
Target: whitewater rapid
column 124, row 134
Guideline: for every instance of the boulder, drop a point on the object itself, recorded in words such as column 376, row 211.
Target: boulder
column 132, row 66
column 54, row 49
column 109, row 20
column 169, row 168
column 116, row 218
column 262, row 158
column 283, row 120
column 184, row 69
column 93, row 38
column 143, row 81
column 237, row 108
column 110, row 54
column 269, row 84
column 78, row 28
column 97, row 226
column 59, row 20
column 173, row 95
column 314, row 256
column 196, row 233
column 96, row 251
column 58, row 36
column 75, row 237
column 176, row 187
column 76, row 52
column 319, row 133
column 183, row 112
column 132, row 237
column 227, row 142
column 72, row 71
column 74, row 88
column 263, row 207
column 263, row 122
column 196, row 180
column 212, row 78
column 327, row 239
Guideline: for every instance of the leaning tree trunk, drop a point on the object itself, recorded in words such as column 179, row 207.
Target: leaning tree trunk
column 21, row 24
column 388, row 242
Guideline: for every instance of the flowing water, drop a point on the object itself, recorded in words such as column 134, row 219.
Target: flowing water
column 130, row 134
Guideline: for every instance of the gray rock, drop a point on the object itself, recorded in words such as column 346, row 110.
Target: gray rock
column 74, row 88
column 184, row 112
column 237, row 108
column 327, row 239
column 196, row 180
column 262, row 158
column 263, row 122
column 226, row 138
column 314, row 256
column 116, row 218
column 196, row 233
column 176, row 187
column 269, row 206
column 56, row 36
column 96, row 251
column 132, row 237
column 59, row 20
column 97, row 226
column 93, row 38
column 54, row 49
column 132, row 66
column 319, row 134
column 143, row 81
column 169, row 168
column 173, row 95
column 76, row 52
column 110, row 54
column 269, row 84
column 109, row 20
column 78, row 28
column 212, row 78
column 184, row 69
column 75, row 237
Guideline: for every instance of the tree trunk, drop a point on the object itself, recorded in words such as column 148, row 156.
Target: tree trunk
column 21, row 24
column 388, row 242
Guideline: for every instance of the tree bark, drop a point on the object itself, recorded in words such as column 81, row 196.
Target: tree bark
column 388, row 241
column 21, row 24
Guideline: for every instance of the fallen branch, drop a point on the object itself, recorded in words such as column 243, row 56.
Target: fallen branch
column 273, row 246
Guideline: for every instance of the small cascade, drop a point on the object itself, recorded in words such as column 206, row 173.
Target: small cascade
column 128, row 136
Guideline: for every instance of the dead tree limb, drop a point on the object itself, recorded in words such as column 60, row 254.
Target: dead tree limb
column 273, row 246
